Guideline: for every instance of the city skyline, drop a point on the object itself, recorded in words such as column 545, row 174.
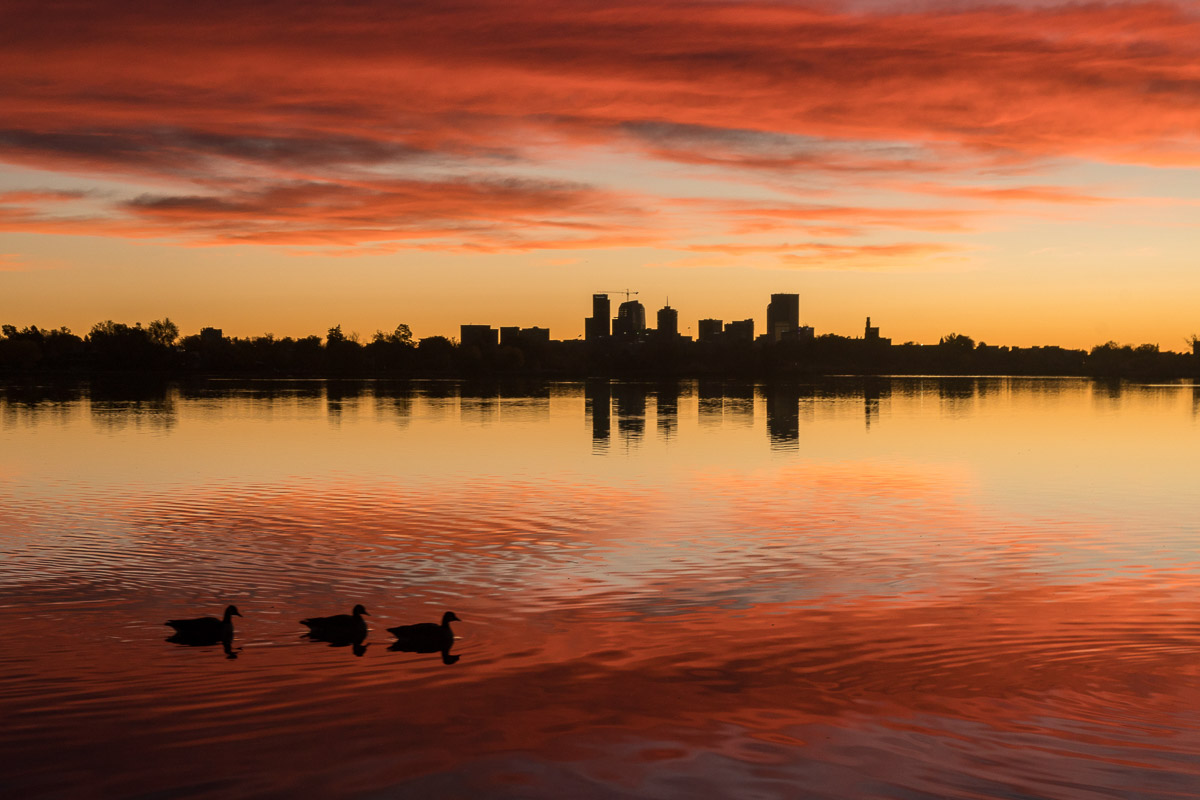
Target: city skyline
column 1025, row 172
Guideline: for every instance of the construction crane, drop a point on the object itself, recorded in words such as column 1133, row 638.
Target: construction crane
column 625, row 292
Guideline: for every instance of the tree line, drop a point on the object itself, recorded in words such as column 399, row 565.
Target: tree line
column 114, row 347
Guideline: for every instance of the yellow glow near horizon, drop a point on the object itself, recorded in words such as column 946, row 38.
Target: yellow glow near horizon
column 1025, row 175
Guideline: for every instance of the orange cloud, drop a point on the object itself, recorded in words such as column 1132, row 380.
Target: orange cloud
column 427, row 125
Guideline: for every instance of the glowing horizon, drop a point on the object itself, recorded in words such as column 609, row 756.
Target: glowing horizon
column 1021, row 173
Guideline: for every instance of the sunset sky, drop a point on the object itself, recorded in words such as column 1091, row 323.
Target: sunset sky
column 1025, row 173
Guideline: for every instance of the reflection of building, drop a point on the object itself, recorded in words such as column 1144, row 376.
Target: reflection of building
column 598, row 406
column 709, row 330
column 631, row 319
column 710, row 402
column 667, row 409
column 481, row 336
column 783, row 417
column 629, row 400
column 740, row 331
column 783, row 315
column 668, row 322
column 597, row 325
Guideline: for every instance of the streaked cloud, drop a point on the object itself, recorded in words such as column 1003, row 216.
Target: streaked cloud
column 813, row 133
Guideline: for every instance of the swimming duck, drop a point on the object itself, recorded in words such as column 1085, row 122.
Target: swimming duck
column 425, row 637
column 205, row 628
column 340, row 626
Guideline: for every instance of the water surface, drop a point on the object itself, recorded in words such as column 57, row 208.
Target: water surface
column 906, row 588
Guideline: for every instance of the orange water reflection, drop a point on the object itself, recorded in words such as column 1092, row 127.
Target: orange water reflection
column 875, row 625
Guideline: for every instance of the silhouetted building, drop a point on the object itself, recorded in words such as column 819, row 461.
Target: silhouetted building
column 871, row 334
column 631, row 319
column 535, row 335
column 708, row 330
column 783, row 315
column 482, row 336
column 740, row 331
column 524, row 337
column 668, row 322
column 597, row 325
column 804, row 333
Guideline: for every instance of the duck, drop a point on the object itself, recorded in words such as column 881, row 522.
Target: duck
column 205, row 629
column 425, row 637
column 350, row 626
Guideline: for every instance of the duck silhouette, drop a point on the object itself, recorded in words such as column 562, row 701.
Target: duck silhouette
column 206, row 631
column 425, row 637
column 205, row 628
column 340, row 630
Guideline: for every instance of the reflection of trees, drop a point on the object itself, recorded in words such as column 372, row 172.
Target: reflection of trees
column 394, row 400
column 117, row 406
column 35, row 404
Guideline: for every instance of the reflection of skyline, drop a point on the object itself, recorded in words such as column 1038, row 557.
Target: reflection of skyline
column 612, row 409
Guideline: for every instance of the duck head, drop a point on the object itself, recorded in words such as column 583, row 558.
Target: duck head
column 231, row 611
column 449, row 617
column 359, row 611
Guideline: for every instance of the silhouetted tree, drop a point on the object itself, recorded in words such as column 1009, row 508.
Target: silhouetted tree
column 163, row 332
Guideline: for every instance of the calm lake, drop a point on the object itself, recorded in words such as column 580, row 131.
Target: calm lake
column 908, row 588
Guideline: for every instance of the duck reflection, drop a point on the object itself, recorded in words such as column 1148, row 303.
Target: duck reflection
column 406, row 647
column 202, row 641
column 356, row 642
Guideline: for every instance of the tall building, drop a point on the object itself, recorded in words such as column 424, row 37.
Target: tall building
column 740, row 331
column 783, row 315
column 631, row 319
column 668, row 322
column 708, row 330
column 597, row 325
column 870, row 333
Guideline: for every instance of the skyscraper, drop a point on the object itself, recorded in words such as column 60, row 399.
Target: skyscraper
column 597, row 325
column 708, row 330
column 740, row 331
column 631, row 319
column 783, row 315
column 668, row 322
